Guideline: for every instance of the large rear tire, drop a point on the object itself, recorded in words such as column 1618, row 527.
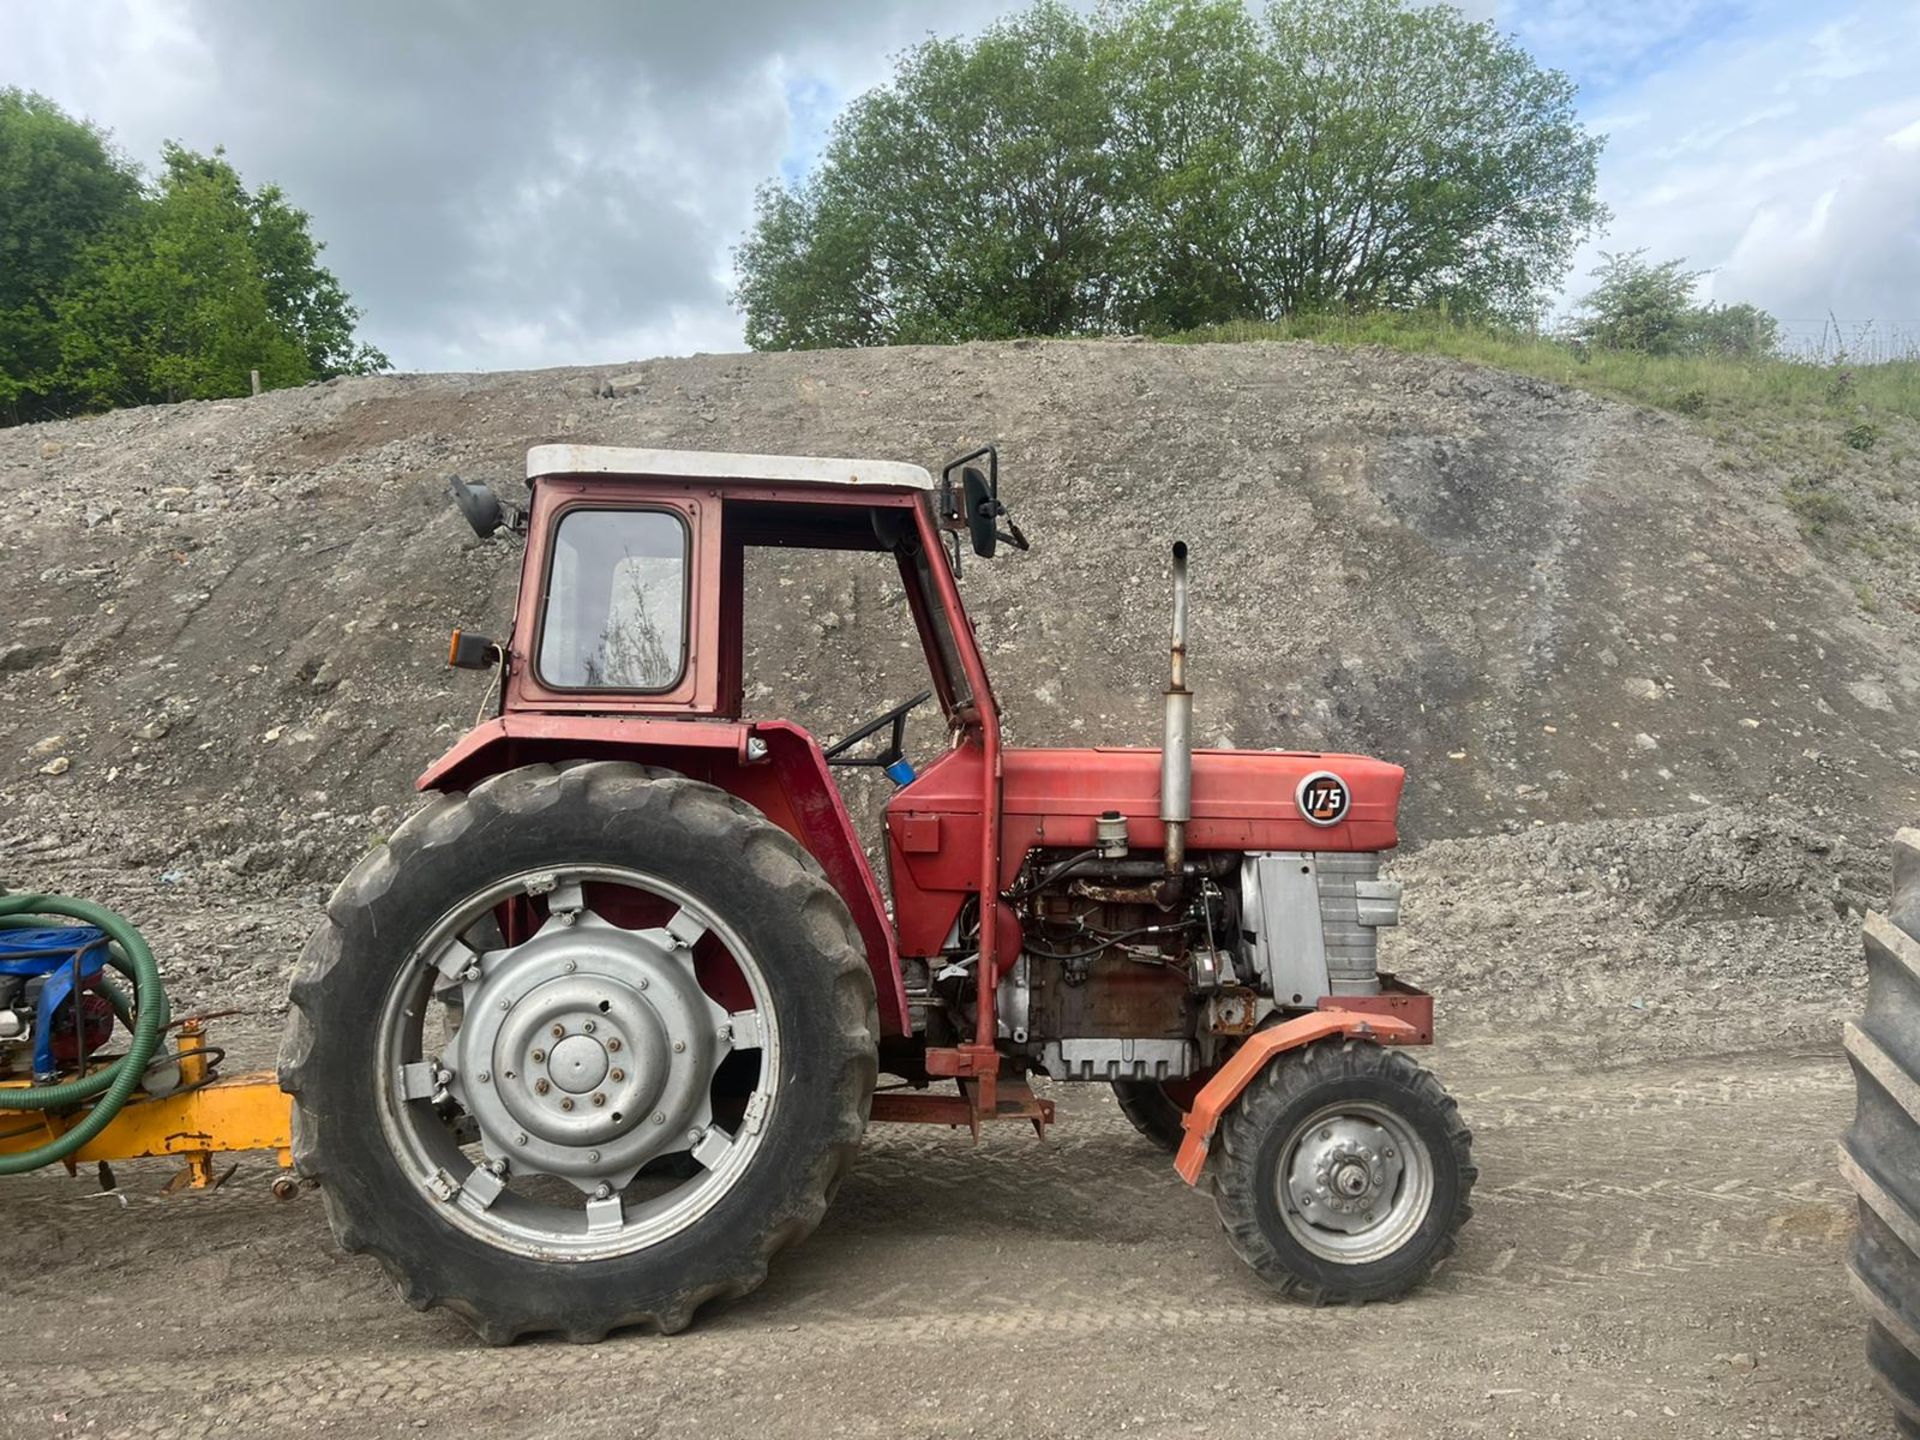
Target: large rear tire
column 448, row 1167
column 1342, row 1173
column 1881, row 1153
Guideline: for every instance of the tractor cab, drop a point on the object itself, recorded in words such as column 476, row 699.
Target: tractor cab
column 632, row 584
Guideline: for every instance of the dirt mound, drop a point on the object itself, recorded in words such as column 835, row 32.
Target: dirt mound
column 222, row 625
column 1707, row 932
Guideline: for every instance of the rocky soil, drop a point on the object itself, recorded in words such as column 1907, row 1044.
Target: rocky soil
column 1654, row 740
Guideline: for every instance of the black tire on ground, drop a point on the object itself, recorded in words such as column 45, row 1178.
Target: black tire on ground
column 1251, row 1144
column 712, row 845
column 1881, row 1153
column 1152, row 1111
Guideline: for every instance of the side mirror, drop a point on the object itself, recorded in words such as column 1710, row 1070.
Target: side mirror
column 981, row 511
column 484, row 510
column 977, row 509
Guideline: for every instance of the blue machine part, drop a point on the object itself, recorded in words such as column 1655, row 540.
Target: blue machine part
column 901, row 772
column 50, row 953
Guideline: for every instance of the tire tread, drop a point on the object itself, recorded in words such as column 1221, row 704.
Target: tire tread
column 1880, row 1155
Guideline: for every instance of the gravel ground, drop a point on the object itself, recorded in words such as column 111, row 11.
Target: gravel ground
column 1654, row 1252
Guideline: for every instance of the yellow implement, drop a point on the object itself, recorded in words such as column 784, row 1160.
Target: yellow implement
column 198, row 1121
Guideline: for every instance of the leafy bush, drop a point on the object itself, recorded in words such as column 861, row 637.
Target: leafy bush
column 1649, row 308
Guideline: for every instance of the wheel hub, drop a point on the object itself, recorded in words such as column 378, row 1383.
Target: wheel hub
column 1344, row 1174
column 587, row 1051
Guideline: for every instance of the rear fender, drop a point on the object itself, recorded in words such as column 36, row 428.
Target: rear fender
column 788, row 782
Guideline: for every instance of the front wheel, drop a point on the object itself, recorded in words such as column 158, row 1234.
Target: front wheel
column 1342, row 1173
column 580, row 1049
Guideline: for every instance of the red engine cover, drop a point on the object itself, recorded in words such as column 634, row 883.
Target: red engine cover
column 1242, row 800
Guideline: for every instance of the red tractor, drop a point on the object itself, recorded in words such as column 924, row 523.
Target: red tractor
column 598, row 1031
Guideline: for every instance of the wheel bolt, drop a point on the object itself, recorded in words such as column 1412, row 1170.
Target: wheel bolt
column 643, row 982
column 484, row 1077
column 599, row 1099
column 679, row 1047
column 570, row 967
column 1324, row 1134
column 521, row 1138
column 567, row 1104
column 593, row 1157
column 589, row 1027
column 538, row 1056
column 617, row 1073
column 614, row 1043
column 659, row 1117
column 540, row 1087
column 559, row 1031
column 506, row 1004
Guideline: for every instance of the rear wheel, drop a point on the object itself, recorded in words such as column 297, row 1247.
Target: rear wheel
column 582, row 1048
column 1342, row 1172
column 1881, row 1152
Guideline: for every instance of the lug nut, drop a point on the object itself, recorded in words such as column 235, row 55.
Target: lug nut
column 644, row 982
column 679, row 1047
column 617, row 1073
column 540, row 1087
column 659, row 1117
column 589, row 1027
column 567, row 1104
column 614, row 1043
column 484, row 1077
column 570, row 967
column 599, row 1099
column 521, row 1138
column 593, row 1157
column 605, row 1192
column 558, row 1031
column 538, row 1056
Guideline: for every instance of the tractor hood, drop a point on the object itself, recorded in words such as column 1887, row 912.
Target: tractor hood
column 1242, row 800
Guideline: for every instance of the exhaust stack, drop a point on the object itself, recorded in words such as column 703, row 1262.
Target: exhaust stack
column 1176, row 749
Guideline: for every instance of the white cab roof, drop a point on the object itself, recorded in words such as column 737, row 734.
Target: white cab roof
column 721, row 465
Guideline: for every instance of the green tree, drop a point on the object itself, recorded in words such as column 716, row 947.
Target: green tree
column 1160, row 164
column 116, row 291
column 62, row 186
column 1649, row 307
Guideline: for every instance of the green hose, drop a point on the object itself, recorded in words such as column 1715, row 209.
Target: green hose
column 117, row 1080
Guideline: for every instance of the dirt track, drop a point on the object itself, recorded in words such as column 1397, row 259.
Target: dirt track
column 1655, row 1251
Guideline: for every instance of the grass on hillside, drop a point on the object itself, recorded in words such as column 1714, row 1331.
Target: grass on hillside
column 1688, row 385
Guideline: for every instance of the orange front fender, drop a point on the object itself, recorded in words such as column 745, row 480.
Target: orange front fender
column 1248, row 1061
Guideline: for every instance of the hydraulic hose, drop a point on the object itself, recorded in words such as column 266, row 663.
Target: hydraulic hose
column 114, row 1084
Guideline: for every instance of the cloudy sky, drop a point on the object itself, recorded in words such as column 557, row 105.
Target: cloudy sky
column 507, row 185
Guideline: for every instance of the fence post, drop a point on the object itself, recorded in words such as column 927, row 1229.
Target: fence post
column 256, row 381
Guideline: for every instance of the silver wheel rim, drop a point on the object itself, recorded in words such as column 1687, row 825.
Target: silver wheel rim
column 567, row 1065
column 1355, row 1182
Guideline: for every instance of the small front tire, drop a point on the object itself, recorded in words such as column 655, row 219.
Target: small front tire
column 1342, row 1173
